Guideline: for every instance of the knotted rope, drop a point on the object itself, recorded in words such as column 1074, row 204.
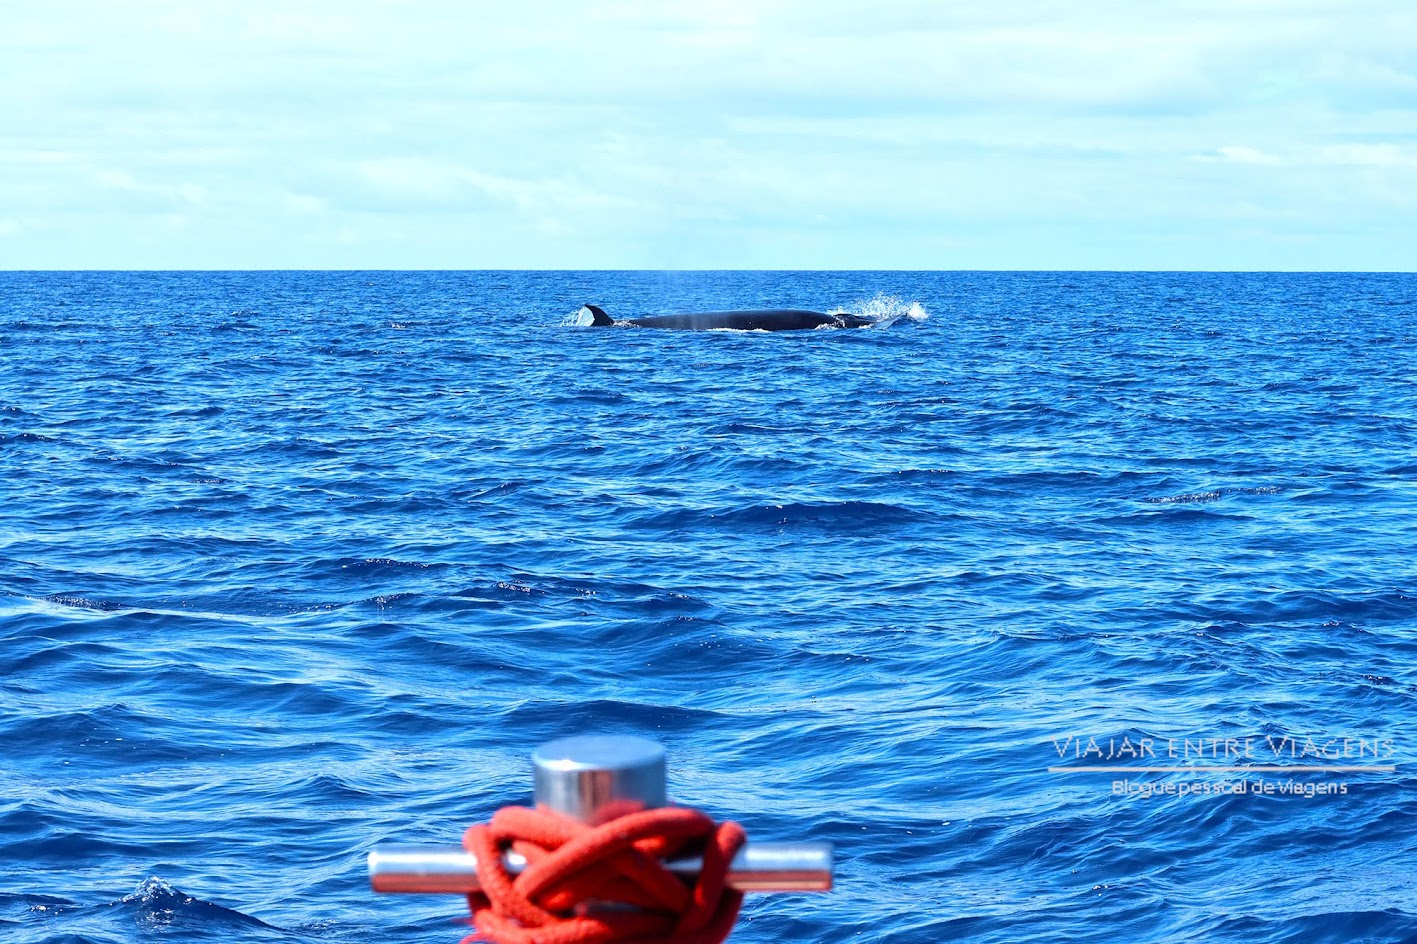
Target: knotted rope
column 601, row 884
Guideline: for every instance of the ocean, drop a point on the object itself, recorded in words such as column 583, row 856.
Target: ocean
column 1068, row 606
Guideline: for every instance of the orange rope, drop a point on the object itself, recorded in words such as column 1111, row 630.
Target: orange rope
column 603, row 884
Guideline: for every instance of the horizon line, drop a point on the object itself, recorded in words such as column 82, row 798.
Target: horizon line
column 1093, row 271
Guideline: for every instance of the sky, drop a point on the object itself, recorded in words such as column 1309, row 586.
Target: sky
column 733, row 134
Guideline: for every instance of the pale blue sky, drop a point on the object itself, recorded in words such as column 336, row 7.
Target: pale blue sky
column 1203, row 134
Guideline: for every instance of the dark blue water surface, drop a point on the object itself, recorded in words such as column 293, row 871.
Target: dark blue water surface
column 292, row 564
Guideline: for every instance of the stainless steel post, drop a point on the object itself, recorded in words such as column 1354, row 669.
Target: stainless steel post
column 595, row 778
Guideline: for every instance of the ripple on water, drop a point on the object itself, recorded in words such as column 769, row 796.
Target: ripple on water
column 294, row 563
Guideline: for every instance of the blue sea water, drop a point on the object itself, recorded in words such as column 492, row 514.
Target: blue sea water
column 292, row 564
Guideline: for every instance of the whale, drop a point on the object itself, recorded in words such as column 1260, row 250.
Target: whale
column 760, row 319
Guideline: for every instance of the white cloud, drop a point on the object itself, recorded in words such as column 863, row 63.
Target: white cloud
column 1370, row 155
column 1240, row 154
column 438, row 184
column 427, row 132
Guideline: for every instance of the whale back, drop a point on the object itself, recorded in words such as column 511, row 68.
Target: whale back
column 759, row 319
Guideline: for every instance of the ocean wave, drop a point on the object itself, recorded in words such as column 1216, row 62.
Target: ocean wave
column 1211, row 495
column 156, row 906
column 274, row 592
column 845, row 517
column 12, row 439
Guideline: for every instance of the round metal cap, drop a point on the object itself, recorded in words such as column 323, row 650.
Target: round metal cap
column 597, row 777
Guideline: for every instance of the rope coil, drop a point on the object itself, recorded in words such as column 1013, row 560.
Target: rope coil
column 603, row 884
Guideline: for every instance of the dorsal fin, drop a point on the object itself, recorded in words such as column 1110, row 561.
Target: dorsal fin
column 599, row 319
